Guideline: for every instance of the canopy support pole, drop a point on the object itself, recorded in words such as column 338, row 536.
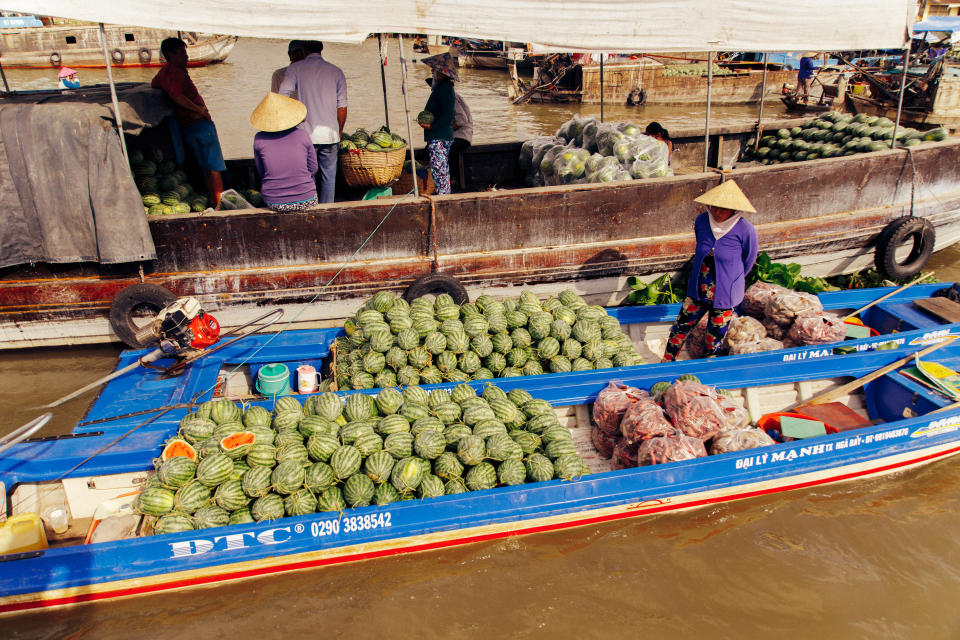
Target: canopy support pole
column 113, row 93
column 706, row 133
column 383, row 82
column 763, row 93
column 6, row 87
column 903, row 88
column 601, row 87
column 406, row 108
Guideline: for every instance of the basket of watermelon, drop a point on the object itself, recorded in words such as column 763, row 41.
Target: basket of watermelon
column 371, row 160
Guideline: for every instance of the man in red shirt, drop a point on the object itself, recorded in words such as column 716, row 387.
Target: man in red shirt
column 197, row 127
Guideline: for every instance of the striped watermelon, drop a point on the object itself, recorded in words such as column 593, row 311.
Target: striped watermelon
column 407, row 339
column 539, row 468
column 313, row 425
column 155, row 501
column 389, row 401
column 353, row 430
column 293, row 453
column 430, row 487
column 407, row 474
column 319, row 476
column 429, row 444
column 237, row 445
column 256, row 417
column 399, row 445
column 392, row 424
column 224, row 411
column 486, row 428
column 192, row 496
column 176, row 472
column 269, row 507
column 360, row 406
column 470, row 450
column 288, row 404
column 559, row 448
column 368, row 443
column 568, row 467
column 287, row 477
column 262, row 455
column 482, row 476
column 174, row 523
column 447, row 412
column 214, row 470
column 454, row 486
column 331, row 499
column 300, row 503
column 346, row 461
column 321, row 447
column 512, row 472
column 256, row 481
column 447, row 466
column 378, row 466
column 286, row 421
column 241, row 516
column 196, row 429
column 455, row 431
column 358, row 490
column 230, row 495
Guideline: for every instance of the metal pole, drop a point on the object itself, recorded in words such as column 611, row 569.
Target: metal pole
column 6, row 87
column 383, row 82
column 903, row 86
column 406, row 108
column 706, row 133
column 601, row 87
column 113, row 93
column 763, row 93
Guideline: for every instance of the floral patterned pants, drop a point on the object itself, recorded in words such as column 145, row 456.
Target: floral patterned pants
column 692, row 310
column 440, row 164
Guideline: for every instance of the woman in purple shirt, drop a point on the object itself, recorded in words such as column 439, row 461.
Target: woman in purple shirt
column 726, row 251
column 284, row 154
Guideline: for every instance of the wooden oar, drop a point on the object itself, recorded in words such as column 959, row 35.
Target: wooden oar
column 833, row 394
column 920, row 278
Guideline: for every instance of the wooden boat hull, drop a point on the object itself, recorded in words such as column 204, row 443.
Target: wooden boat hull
column 74, row 574
column 78, row 47
column 824, row 214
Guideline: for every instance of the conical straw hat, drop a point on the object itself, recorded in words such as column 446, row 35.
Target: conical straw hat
column 278, row 113
column 727, row 196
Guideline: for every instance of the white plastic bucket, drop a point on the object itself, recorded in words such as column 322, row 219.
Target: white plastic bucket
column 306, row 379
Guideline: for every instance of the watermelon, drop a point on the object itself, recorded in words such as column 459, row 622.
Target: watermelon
column 288, row 477
column 174, row 523
column 358, row 490
column 388, row 401
column 192, row 496
column 288, row 404
column 368, row 443
column 300, row 503
column 315, row 425
column 429, row 444
column 331, row 499
column 378, row 466
column 293, row 453
column 237, row 445
column 454, row 486
column 256, row 481
column 241, row 516
column 345, row 461
column 318, row 477
column 269, row 507
column 481, row 476
column 447, row 466
column 328, row 406
column 353, row 430
column 425, row 117
column 539, row 468
column 399, row 445
column 511, row 472
column 528, row 441
column 470, row 450
column 178, row 448
column 256, row 417
column 175, row 472
column 407, row 474
column 455, row 431
column 230, row 495
column 568, row 467
column 385, row 494
column 430, row 487
column 360, row 406
column 392, row 423
column 195, row 429
column 224, row 411
column 214, row 470
column 155, row 501
column 502, row 447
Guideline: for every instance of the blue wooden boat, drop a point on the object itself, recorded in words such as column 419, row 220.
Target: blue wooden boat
column 69, row 573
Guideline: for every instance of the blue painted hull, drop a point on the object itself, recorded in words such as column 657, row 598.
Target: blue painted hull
column 66, row 575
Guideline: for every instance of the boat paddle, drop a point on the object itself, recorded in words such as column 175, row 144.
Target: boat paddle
column 834, row 394
column 920, row 278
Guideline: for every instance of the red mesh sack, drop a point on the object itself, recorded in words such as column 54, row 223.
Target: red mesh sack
column 735, row 416
column 817, row 327
column 755, row 298
column 624, row 455
column 743, row 329
column 784, row 307
column 603, row 443
column 693, row 408
column 739, row 440
column 611, row 403
column 764, row 344
column 644, row 419
column 670, row 448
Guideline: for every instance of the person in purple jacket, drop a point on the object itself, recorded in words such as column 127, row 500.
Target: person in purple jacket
column 726, row 251
column 284, row 155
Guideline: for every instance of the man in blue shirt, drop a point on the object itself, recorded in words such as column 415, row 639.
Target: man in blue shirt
column 805, row 76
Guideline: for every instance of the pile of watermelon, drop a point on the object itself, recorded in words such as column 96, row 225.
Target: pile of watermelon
column 229, row 465
column 163, row 185
column 836, row 134
column 697, row 69
column 391, row 342
column 379, row 140
column 585, row 150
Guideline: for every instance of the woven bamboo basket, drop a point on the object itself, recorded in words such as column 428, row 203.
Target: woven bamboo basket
column 362, row 168
column 404, row 184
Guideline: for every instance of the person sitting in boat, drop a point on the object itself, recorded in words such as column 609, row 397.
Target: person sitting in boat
column 296, row 51
column 805, row 76
column 68, row 79
column 657, row 130
column 284, row 154
column 726, row 251
column 196, row 125
column 442, row 104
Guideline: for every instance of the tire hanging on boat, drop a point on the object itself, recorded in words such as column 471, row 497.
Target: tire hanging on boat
column 55, row 59
column 145, row 56
column 134, row 297
column 895, row 234
column 117, row 56
column 436, row 283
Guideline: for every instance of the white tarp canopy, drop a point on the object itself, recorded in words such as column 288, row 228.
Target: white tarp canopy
column 568, row 25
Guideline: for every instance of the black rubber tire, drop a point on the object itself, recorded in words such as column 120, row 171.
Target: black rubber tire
column 136, row 295
column 893, row 236
column 436, row 283
column 55, row 59
column 636, row 97
column 117, row 56
column 145, row 56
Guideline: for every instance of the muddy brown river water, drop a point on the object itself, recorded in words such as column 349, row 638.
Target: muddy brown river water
column 869, row 559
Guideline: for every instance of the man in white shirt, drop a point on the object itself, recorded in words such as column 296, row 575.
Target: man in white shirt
column 323, row 88
column 296, row 52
